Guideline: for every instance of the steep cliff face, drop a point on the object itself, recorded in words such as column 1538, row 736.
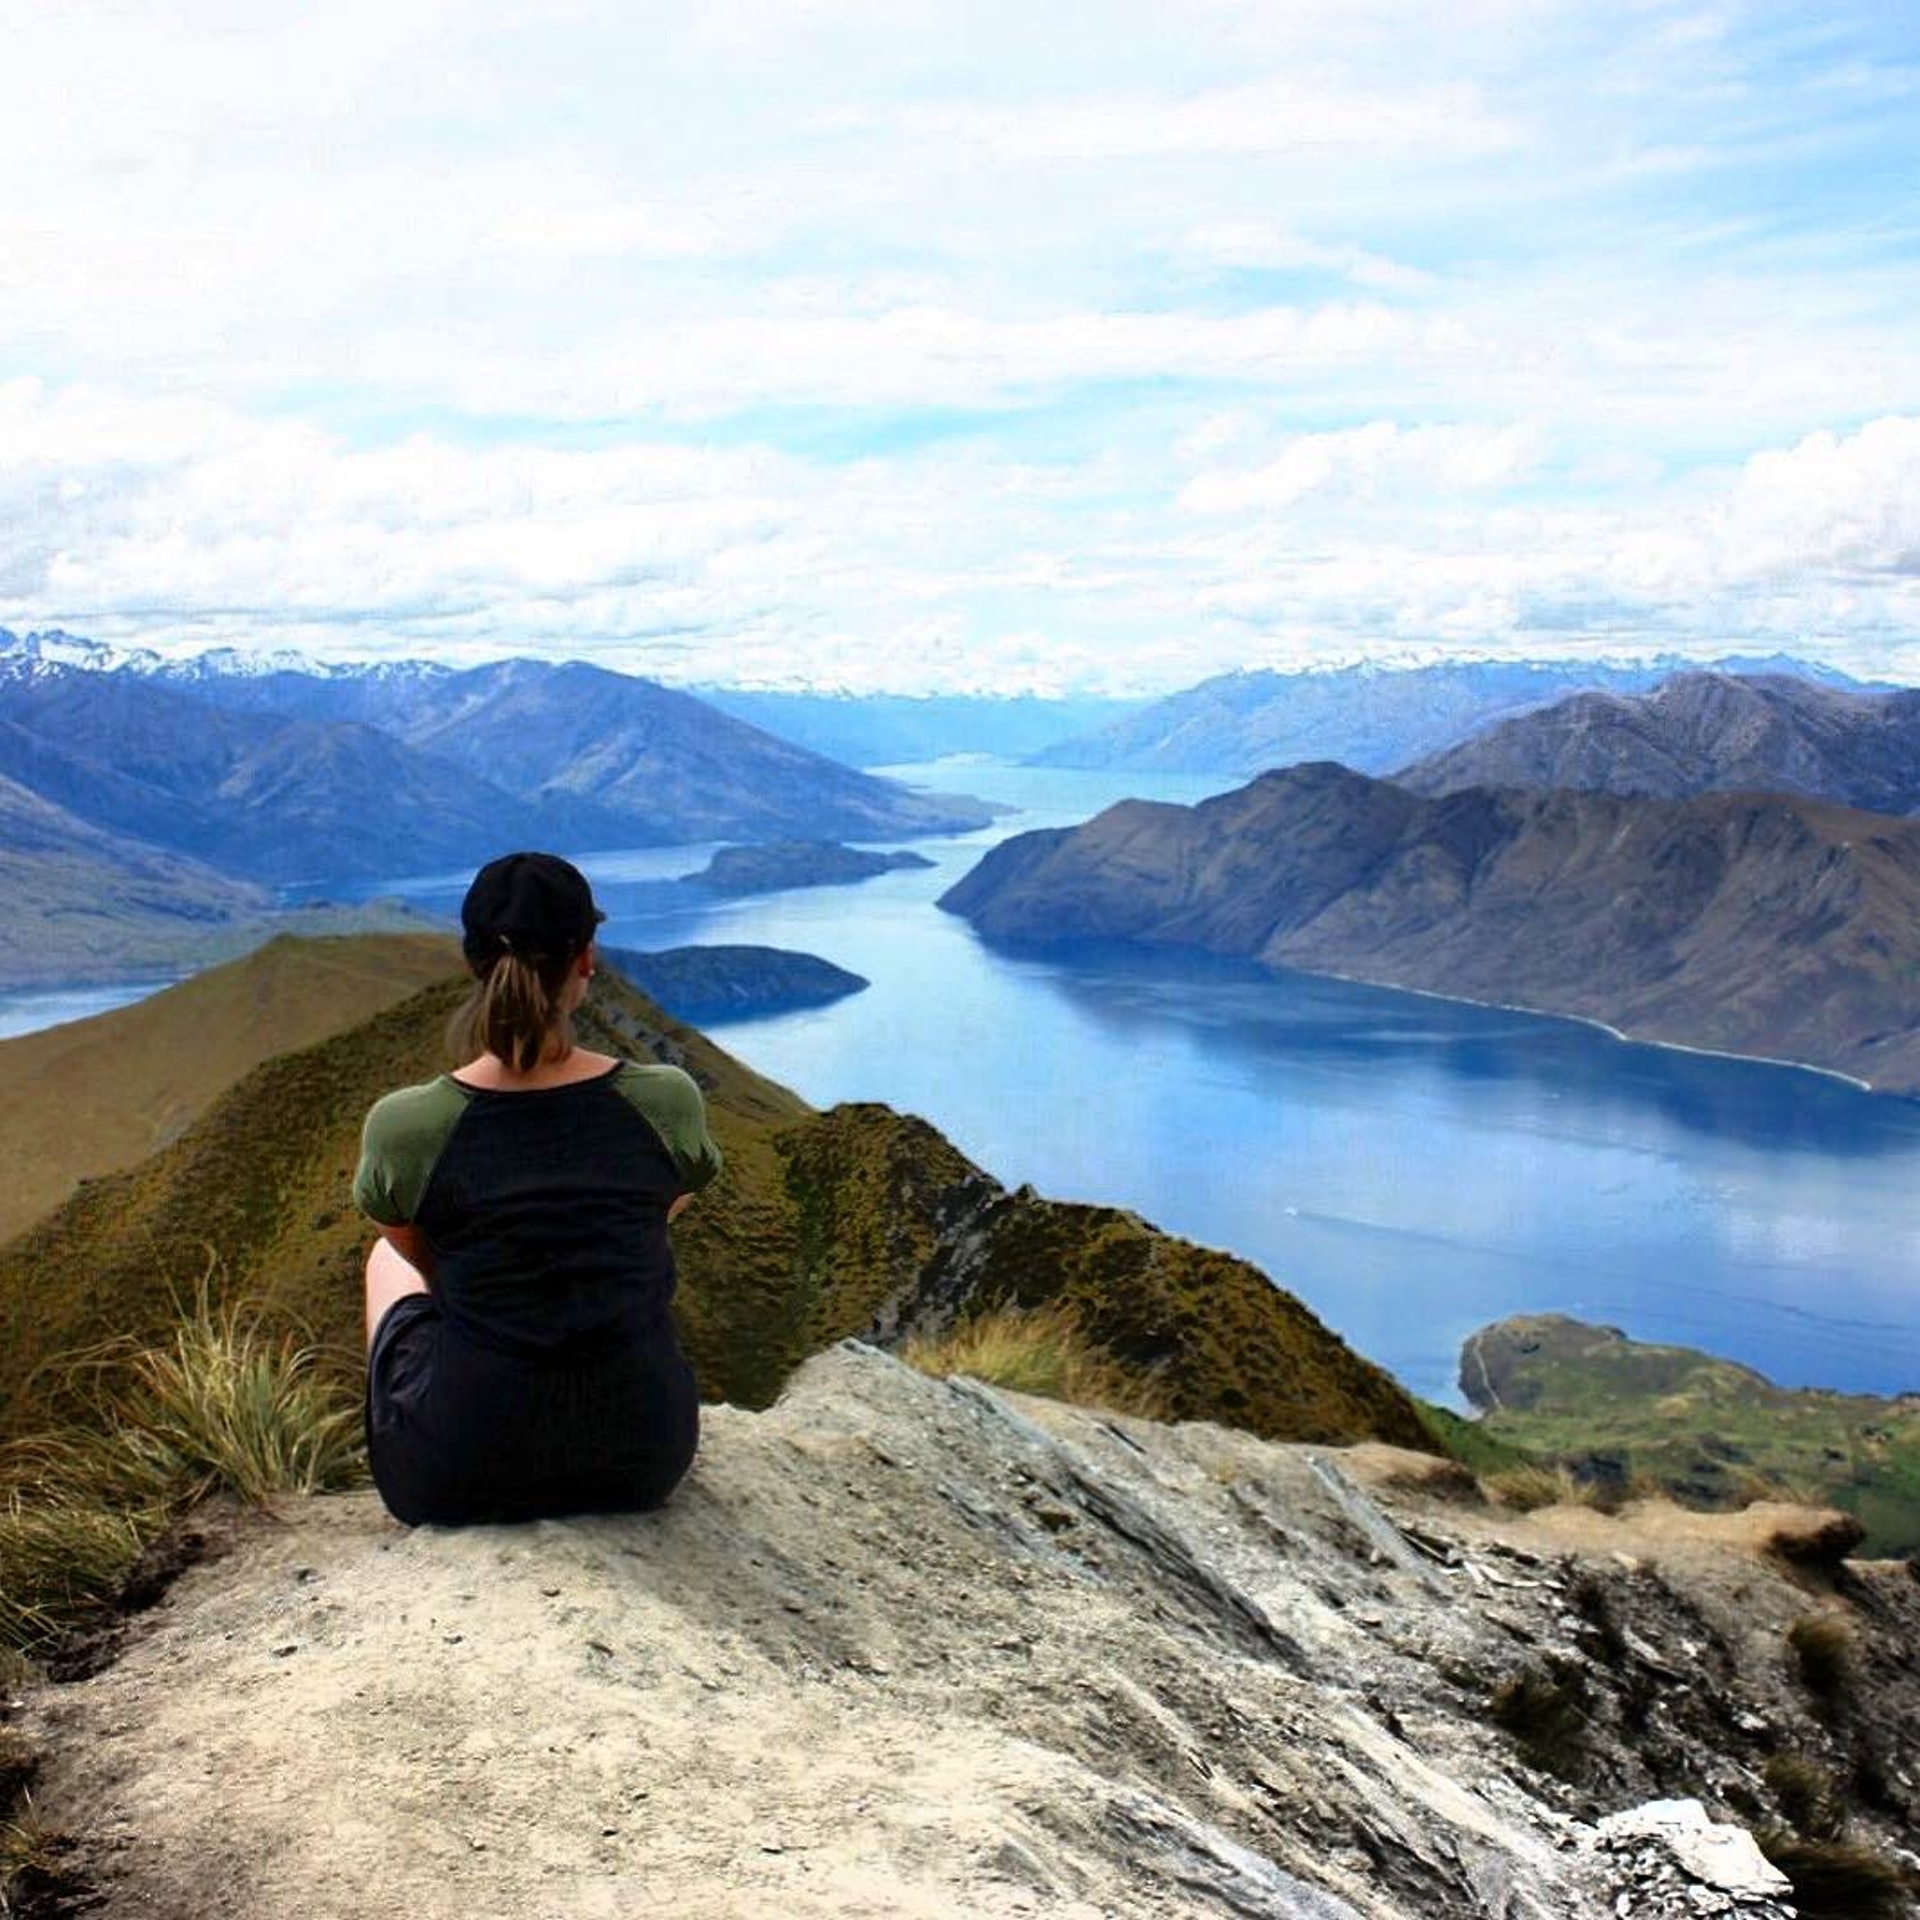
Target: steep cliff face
column 907, row 1648
column 1702, row 733
column 1749, row 923
column 858, row 1221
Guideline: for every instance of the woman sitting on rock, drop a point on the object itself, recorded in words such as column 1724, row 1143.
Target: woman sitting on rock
column 521, row 1358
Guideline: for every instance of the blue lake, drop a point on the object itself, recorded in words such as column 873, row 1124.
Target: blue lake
column 1411, row 1167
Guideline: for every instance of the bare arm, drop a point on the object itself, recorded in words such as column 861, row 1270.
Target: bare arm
column 411, row 1245
column 677, row 1207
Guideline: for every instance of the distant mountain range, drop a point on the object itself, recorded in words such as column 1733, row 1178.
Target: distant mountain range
column 881, row 729
column 286, row 774
column 1701, row 733
column 1766, row 925
column 1370, row 718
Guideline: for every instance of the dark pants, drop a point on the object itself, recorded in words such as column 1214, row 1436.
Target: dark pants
column 459, row 1433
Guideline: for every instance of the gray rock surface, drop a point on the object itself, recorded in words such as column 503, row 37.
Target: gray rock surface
column 909, row 1648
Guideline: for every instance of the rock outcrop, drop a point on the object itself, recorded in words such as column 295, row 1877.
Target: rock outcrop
column 909, row 1648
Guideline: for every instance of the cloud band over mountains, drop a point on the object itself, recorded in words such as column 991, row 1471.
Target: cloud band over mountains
column 933, row 346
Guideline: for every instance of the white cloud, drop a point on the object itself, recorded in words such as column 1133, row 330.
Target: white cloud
column 1379, row 457
column 1257, row 243
column 1848, row 503
column 401, row 325
column 1282, row 113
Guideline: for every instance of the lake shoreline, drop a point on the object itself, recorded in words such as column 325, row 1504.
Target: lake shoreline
column 1604, row 1026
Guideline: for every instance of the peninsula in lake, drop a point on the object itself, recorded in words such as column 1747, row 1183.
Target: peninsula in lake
column 1710, row 1431
column 1767, row 925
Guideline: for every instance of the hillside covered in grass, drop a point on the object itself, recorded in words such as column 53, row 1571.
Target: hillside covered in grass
column 127, row 1082
column 1711, row 1431
column 856, row 1221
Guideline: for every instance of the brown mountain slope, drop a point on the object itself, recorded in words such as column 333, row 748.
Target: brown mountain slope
column 96, row 1095
column 1747, row 923
column 1702, row 733
column 854, row 1221
column 81, row 903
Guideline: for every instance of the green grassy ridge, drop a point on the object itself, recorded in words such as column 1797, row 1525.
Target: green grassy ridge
column 858, row 1221
column 1713, row 1432
column 128, row 1081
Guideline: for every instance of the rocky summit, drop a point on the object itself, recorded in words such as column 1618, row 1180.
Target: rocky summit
column 902, row 1647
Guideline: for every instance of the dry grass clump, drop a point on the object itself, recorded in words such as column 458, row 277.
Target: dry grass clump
column 1808, row 1794
column 227, row 1403
column 1838, row 1879
column 33, row 1876
column 59, row 1563
column 1526, row 1489
column 1041, row 1350
column 1822, row 1647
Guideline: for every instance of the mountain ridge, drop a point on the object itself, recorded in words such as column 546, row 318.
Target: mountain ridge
column 270, row 777
column 856, row 1220
column 1699, row 733
column 1373, row 718
column 1765, row 925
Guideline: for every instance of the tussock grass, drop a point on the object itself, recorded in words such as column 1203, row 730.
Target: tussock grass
column 226, row 1403
column 1837, row 1879
column 33, row 1876
column 60, row 1563
column 1041, row 1350
column 1527, row 1489
column 1808, row 1795
column 1822, row 1648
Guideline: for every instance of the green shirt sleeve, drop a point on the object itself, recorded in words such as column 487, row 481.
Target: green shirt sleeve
column 399, row 1144
column 669, row 1100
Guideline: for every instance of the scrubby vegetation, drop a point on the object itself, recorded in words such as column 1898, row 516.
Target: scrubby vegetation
column 1838, row 1879
column 1526, row 1489
column 1042, row 1350
column 1822, row 1647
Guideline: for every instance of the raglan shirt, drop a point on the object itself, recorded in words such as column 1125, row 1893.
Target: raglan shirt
column 545, row 1210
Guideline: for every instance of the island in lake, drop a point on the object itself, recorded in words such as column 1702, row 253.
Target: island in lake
column 722, row 982
column 780, row 864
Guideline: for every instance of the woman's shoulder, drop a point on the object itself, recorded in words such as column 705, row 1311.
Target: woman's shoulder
column 670, row 1101
column 432, row 1104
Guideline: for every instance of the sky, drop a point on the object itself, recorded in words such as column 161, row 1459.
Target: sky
column 921, row 346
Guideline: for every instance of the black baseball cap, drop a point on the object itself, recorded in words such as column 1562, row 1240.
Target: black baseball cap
column 533, row 901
